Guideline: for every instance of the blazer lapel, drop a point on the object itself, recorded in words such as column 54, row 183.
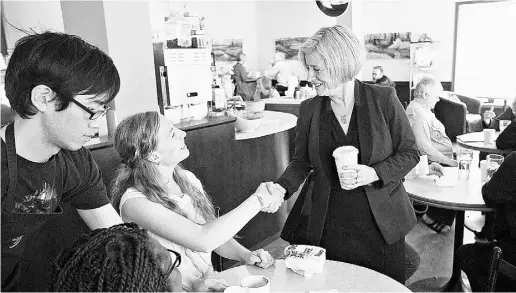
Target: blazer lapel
column 365, row 133
column 325, row 136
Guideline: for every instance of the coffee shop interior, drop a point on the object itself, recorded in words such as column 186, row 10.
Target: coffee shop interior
column 180, row 58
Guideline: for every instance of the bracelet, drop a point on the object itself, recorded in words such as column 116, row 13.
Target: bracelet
column 259, row 199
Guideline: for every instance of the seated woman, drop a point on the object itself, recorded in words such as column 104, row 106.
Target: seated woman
column 432, row 141
column 264, row 89
column 498, row 193
column 280, row 71
column 122, row 258
column 154, row 191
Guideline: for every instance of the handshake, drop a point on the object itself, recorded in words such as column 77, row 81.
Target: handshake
column 271, row 196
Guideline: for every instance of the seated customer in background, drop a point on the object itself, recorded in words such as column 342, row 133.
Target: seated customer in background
column 122, row 258
column 380, row 79
column 431, row 141
column 493, row 121
column 280, row 71
column 498, row 193
column 264, row 89
column 154, row 191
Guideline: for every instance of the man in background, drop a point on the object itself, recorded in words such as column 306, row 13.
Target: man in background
column 380, row 79
column 280, row 71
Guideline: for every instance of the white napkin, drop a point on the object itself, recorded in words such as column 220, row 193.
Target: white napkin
column 450, row 177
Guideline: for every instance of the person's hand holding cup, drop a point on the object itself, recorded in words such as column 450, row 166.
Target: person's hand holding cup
column 351, row 174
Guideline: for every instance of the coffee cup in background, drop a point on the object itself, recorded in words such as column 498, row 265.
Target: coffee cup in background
column 504, row 124
column 423, row 165
column 345, row 156
column 489, row 136
column 256, row 284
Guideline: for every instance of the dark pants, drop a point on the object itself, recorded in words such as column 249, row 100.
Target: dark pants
column 412, row 261
column 475, row 260
column 442, row 216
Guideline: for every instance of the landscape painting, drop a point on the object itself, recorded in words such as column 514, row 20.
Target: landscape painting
column 290, row 46
column 227, row 50
column 388, row 45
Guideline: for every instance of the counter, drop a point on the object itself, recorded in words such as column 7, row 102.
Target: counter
column 272, row 122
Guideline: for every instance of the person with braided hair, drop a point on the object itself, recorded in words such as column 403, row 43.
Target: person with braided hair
column 154, row 191
column 122, row 258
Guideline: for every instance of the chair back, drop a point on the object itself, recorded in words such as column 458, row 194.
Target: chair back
column 453, row 116
column 499, row 265
column 216, row 259
column 7, row 115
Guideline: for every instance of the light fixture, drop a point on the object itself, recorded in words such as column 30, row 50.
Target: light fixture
column 332, row 8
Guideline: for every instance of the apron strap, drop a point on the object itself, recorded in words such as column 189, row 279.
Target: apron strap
column 12, row 164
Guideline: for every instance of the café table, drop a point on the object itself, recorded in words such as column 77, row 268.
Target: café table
column 340, row 276
column 475, row 141
column 466, row 195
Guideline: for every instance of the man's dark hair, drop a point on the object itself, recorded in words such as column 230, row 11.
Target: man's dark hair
column 119, row 258
column 65, row 63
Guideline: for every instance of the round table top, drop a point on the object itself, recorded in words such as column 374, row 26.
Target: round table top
column 340, row 276
column 272, row 122
column 475, row 141
column 465, row 195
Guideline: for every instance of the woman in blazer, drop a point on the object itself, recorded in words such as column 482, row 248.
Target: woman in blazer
column 365, row 220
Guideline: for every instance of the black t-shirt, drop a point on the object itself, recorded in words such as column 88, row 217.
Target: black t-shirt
column 69, row 176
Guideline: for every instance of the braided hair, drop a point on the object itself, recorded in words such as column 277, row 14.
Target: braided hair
column 119, row 258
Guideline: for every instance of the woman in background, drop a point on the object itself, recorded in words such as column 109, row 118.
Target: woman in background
column 154, row 191
column 362, row 217
column 264, row 89
column 240, row 75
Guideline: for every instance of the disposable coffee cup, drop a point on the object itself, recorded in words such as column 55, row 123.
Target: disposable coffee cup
column 345, row 156
column 489, row 136
column 256, row 284
column 423, row 165
column 483, row 170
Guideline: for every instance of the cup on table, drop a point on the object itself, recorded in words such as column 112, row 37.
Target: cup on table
column 504, row 124
column 345, row 156
column 256, row 284
column 489, row 136
column 492, row 164
column 423, row 165
column 464, row 159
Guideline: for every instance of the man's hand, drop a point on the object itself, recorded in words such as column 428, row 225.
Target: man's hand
column 210, row 285
column 260, row 258
column 435, row 169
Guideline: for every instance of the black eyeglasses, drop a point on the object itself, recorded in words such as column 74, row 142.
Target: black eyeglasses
column 176, row 263
column 93, row 115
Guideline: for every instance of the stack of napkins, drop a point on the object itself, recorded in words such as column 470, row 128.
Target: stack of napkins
column 305, row 260
column 450, row 177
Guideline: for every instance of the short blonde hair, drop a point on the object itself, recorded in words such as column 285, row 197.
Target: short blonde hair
column 424, row 84
column 342, row 52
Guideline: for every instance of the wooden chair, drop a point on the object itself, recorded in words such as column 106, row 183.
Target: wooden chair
column 499, row 265
column 215, row 258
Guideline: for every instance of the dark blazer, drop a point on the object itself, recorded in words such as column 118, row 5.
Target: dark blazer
column 387, row 144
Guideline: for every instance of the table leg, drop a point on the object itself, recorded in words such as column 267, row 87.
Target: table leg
column 457, row 242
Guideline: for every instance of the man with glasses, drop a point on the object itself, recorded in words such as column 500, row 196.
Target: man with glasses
column 58, row 85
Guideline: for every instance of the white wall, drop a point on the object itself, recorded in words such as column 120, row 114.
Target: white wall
column 223, row 20
column 27, row 15
column 130, row 45
column 258, row 23
column 435, row 17
column 280, row 19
